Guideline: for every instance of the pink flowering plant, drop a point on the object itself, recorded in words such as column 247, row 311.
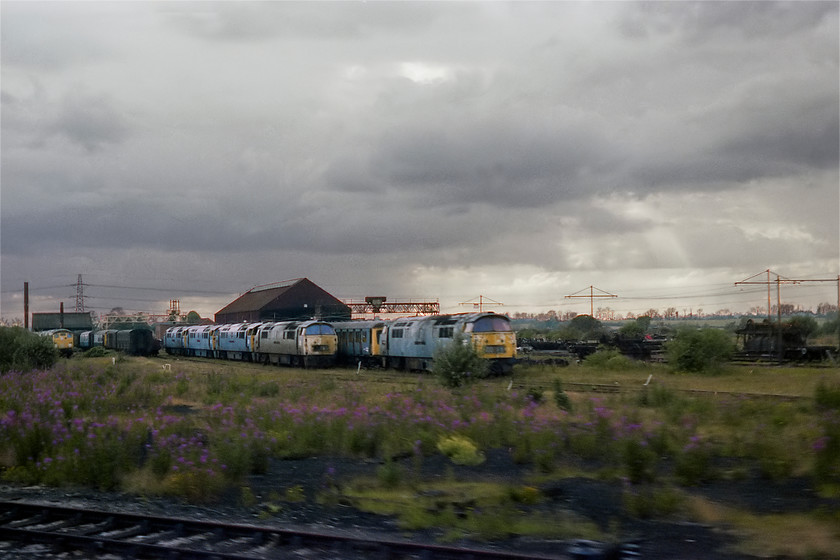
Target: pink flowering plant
column 96, row 423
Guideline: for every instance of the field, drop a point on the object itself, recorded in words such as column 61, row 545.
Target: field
column 751, row 455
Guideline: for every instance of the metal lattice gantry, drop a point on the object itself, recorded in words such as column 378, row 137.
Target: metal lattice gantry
column 379, row 304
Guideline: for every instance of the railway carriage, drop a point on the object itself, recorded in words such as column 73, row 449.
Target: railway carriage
column 359, row 341
column 109, row 339
column 87, row 340
column 137, row 342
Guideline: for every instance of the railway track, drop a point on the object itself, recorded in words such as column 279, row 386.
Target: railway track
column 107, row 534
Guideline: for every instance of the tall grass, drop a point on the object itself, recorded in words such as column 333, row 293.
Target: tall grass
column 199, row 432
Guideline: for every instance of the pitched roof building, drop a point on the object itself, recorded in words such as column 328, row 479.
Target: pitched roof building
column 294, row 300
column 74, row 321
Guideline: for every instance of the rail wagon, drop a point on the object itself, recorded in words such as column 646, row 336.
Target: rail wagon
column 86, row 340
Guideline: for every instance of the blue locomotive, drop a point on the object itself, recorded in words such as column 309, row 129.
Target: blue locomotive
column 295, row 343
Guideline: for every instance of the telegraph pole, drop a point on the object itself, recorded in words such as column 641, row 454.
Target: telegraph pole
column 592, row 295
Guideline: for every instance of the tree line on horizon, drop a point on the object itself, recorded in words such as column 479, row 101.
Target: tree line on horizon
column 607, row 314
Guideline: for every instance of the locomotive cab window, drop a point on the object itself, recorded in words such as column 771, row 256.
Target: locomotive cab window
column 319, row 329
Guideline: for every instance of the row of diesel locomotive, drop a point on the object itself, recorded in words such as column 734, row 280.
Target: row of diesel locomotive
column 293, row 343
column 407, row 343
column 410, row 343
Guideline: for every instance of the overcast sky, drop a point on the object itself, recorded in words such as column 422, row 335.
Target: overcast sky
column 658, row 151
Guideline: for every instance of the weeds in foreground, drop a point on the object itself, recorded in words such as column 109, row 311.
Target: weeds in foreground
column 810, row 535
column 131, row 425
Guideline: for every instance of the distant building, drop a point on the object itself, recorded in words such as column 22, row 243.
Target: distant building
column 73, row 321
column 294, row 300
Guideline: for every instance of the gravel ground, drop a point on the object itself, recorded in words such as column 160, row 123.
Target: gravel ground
column 596, row 500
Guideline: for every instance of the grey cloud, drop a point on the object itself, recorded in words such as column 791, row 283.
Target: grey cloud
column 498, row 161
column 48, row 40
column 268, row 140
column 700, row 20
column 90, row 121
column 261, row 21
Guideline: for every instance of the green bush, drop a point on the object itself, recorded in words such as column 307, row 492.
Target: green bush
column 460, row 450
column 457, row 363
column 699, row 350
column 561, row 399
column 96, row 352
column 609, row 360
column 827, row 395
column 23, row 350
column 639, row 460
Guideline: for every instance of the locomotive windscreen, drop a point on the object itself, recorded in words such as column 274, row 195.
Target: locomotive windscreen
column 492, row 324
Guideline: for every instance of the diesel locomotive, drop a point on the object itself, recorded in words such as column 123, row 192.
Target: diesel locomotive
column 62, row 339
column 407, row 343
column 410, row 342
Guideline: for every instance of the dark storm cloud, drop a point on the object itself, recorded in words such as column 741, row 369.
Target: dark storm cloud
column 499, row 163
column 513, row 143
column 137, row 223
